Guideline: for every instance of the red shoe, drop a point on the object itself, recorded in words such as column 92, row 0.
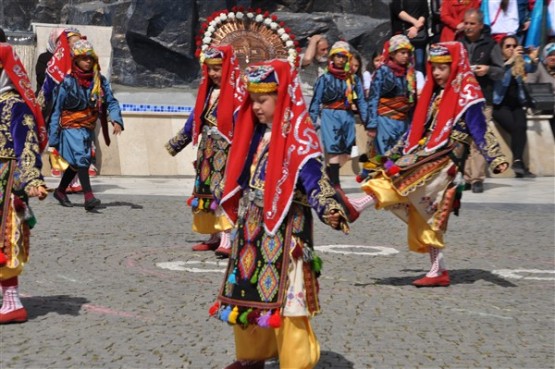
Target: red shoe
column 223, row 251
column 352, row 213
column 246, row 365
column 92, row 171
column 16, row 316
column 439, row 281
column 203, row 246
column 56, row 173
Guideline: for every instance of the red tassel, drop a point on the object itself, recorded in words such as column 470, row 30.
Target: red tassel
column 297, row 252
column 253, row 316
column 214, row 308
column 275, row 320
column 452, row 171
column 190, row 201
column 393, row 170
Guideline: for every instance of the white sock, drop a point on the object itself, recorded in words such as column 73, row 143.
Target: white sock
column 362, row 203
column 225, row 240
column 438, row 262
column 10, row 299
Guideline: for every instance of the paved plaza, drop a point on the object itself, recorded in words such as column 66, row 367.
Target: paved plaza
column 121, row 288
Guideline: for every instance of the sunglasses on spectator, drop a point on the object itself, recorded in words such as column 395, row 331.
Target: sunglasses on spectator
column 508, row 46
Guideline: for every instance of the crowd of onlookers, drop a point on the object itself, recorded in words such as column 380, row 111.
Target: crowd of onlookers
column 510, row 45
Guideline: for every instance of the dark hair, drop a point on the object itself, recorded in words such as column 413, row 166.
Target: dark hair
column 357, row 56
column 3, row 36
column 370, row 66
column 505, row 38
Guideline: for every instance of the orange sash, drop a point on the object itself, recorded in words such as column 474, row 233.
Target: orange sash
column 394, row 107
column 79, row 119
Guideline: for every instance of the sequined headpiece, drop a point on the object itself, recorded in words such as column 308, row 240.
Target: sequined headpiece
column 212, row 56
column 399, row 42
column 83, row 48
column 341, row 47
column 261, row 79
column 439, row 54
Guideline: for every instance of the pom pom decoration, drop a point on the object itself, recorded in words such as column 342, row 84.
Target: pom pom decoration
column 213, row 205
column 252, row 317
column 232, row 319
column 254, row 35
column 264, row 320
column 214, row 308
column 232, row 279
column 317, row 264
column 243, row 317
column 275, row 320
column 225, row 313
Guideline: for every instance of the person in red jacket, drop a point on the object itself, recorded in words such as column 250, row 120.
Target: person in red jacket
column 452, row 16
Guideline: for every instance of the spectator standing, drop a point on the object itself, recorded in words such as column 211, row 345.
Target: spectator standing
column 502, row 17
column 371, row 67
column 509, row 101
column 452, row 17
column 409, row 18
column 314, row 62
column 487, row 64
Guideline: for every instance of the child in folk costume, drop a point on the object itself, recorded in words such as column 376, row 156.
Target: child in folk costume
column 220, row 94
column 84, row 96
column 335, row 93
column 22, row 138
column 421, row 181
column 275, row 176
column 392, row 95
column 60, row 41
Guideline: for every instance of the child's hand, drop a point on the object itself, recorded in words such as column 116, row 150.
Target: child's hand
column 39, row 192
column 334, row 219
column 501, row 168
column 117, row 128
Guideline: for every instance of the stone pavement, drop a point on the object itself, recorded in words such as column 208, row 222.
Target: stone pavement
column 121, row 288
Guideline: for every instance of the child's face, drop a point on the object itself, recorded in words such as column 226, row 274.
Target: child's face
column 377, row 60
column 86, row 63
column 401, row 56
column 215, row 74
column 355, row 65
column 263, row 106
column 339, row 60
column 440, row 73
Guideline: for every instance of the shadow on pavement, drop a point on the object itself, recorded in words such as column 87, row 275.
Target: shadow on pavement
column 458, row 276
column 61, row 304
column 328, row 359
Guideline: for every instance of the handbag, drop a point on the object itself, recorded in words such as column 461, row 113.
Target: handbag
column 539, row 96
column 421, row 38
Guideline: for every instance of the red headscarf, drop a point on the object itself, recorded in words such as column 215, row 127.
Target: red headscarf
column 293, row 142
column 16, row 72
column 60, row 64
column 232, row 94
column 461, row 91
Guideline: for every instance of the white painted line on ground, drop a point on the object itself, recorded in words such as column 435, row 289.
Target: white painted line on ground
column 517, row 274
column 183, row 266
column 340, row 249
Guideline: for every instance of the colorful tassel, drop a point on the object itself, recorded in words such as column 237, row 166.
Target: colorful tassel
column 232, row 319
column 263, row 320
column 190, row 201
column 232, row 279
column 253, row 316
column 194, row 203
column 243, row 318
column 317, row 264
column 213, row 205
column 214, row 308
column 200, row 204
column 254, row 277
column 297, row 251
column 275, row 320
column 225, row 313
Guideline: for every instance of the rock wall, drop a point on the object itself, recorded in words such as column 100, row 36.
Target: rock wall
column 153, row 40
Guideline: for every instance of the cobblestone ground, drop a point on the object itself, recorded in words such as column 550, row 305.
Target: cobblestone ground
column 121, row 288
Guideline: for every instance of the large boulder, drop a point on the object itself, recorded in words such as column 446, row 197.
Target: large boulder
column 154, row 40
